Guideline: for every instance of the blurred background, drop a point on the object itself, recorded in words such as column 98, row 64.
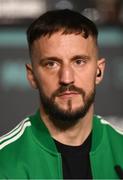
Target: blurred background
column 17, row 99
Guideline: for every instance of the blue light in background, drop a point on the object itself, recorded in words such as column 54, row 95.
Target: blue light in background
column 13, row 75
column 13, row 37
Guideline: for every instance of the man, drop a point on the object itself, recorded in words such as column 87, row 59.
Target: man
column 63, row 140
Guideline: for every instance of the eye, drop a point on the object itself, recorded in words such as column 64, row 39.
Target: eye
column 79, row 61
column 50, row 64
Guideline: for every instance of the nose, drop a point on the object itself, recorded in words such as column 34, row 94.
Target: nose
column 66, row 75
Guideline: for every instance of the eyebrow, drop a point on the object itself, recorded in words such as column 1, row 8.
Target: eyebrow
column 53, row 58
column 80, row 57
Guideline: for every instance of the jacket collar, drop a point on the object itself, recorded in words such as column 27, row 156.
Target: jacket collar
column 97, row 133
column 42, row 134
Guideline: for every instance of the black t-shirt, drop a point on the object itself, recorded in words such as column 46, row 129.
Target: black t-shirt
column 75, row 160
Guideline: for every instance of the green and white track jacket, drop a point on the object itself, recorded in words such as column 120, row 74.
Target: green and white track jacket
column 29, row 152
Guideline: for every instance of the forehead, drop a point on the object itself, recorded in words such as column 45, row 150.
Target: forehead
column 59, row 44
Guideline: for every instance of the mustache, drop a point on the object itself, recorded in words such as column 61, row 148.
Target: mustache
column 69, row 87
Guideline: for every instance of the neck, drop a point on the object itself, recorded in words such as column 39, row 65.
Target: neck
column 75, row 135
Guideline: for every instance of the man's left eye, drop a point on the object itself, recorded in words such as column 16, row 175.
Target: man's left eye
column 79, row 61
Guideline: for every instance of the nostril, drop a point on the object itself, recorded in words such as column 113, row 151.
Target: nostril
column 66, row 84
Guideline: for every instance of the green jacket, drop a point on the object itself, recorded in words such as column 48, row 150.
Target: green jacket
column 29, row 152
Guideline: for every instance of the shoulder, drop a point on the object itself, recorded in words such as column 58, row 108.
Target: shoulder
column 110, row 126
column 14, row 135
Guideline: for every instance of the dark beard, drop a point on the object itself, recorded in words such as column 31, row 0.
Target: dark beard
column 64, row 119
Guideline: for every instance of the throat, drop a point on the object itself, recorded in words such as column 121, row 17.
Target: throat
column 76, row 135
column 67, row 148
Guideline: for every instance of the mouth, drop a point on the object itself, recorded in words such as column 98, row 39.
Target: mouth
column 68, row 94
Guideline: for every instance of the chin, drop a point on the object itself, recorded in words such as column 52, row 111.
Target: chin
column 70, row 104
column 70, row 109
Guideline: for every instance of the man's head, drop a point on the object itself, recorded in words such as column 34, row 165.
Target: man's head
column 65, row 66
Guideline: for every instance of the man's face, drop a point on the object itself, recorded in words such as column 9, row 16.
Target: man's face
column 65, row 69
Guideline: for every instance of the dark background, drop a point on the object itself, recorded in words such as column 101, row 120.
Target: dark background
column 17, row 99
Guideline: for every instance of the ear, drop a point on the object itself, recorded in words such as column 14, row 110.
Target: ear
column 30, row 76
column 100, row 70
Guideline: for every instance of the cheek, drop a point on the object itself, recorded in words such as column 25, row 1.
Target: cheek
column 46, row 83
column 86, row 80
